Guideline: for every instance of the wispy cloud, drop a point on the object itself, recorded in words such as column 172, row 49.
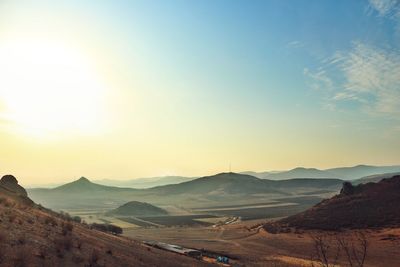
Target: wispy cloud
column 390, row 8
column 295, row 44
column 368, row 75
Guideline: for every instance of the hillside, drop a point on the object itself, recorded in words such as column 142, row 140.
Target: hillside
column 225, row 183
column 136, row 208
column 361, row 206
column 34, row 236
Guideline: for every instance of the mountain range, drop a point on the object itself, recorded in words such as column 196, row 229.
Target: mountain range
column 215, row 190
column 344, row 173
column 210, row 190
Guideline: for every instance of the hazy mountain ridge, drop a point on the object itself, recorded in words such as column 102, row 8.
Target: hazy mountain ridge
column 141, row 183
column 344, row 173
column 223, row 187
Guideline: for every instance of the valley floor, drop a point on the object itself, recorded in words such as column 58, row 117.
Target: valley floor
column 253, row 246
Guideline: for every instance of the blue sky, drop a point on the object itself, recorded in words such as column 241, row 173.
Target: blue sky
column 261, row 84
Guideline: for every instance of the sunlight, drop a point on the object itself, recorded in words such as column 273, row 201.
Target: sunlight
column 48, row 89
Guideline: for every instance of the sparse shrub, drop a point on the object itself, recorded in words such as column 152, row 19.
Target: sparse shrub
column 23, row 257
column 107, row 228
column 42, row 253
column 272, row 228
column 3, row 238
column 7, row 203
column 355, row 247
column 77, row 259
column 77, row 219
column 63, row 243
column 109, row 251
column 94, row 258
column 12, row 217
column 30, row 221
column 325, row 252
column 66, row 228
column 50, row 221
column 65, row 216
column 79, row 244
column 22, row 240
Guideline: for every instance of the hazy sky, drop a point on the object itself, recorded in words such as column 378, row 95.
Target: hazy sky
column 124, row 89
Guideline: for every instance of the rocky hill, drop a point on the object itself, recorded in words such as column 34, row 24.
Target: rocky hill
column 10, row 183
column 361, row 206
column 31, row 235
column 136, row 208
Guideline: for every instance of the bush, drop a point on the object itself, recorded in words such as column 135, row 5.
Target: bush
column 94, row 258
column 107, row 228
column 65, row 216
column 77, row 219
column 23, row 257
column 50, row 221
column 66, row 228
column 64, row 243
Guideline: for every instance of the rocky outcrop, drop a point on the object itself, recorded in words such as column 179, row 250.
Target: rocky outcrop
column 10, row 183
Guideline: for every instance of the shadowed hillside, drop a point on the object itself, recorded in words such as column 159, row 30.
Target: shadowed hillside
column 361, row 206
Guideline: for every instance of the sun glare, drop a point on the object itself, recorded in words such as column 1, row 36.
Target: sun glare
column 48, row 89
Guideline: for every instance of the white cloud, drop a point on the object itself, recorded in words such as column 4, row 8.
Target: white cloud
column 368, row 75
column 389, row 8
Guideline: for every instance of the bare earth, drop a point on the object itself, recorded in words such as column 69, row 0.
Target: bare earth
column 255, row 247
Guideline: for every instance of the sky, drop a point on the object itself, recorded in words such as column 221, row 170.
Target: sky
column 126, row 89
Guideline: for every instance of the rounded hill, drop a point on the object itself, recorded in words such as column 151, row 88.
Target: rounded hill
column 136, row 208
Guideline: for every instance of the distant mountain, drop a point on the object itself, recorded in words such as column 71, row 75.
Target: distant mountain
column 136, row 208
column 374, row 178
column 260, row 175
column 210, row 190
column 146, row 182
column 300, row 173
column 344, row 173
column 361, row 206
column 359, row 171
column 223, row 183
column 83, row 185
